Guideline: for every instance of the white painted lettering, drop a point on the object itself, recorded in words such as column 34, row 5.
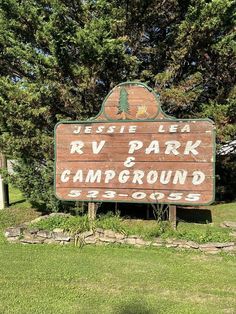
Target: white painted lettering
column 129, row 162
column 74, row 193
column 171, row 147
column 132, row 129
column 157, row 196
column 193, row 197
column 111, row 129
column 153, row 147
column 76, row 147
column 135, row 145
column 124, row 176
column 175, row 196
column 190, row 147
column 93, row 176
column 92, row 194
column 109, row 175
column 87, row 129
column 198, row 177
column 96, row 148
column 185, row 129
column 152, row 177
column 138, row 175
column 109, row 194
column 122, row 128
column 78, row 176
column 180, row 176
column 77, row 131
column 139, row 195
column 65, row 176
column 165, row 176
column 100, row 129
column 173, row 128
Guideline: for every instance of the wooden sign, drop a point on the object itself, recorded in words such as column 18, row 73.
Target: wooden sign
column 133, row 152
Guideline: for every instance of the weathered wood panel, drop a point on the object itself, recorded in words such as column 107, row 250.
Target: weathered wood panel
column 63, row 155
column 135, row 195
column 136, row 161
column 161, row 126
column 148, row 175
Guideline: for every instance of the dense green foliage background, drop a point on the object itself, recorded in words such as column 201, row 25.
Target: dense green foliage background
column 59, row 59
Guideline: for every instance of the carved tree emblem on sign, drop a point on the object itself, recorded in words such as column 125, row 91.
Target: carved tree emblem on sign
column 129, row 101
column 123, row 108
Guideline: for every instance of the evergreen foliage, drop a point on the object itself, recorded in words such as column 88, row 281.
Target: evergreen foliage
column 59, row 59
column 123, row 107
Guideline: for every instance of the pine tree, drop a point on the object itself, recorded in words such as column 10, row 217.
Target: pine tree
column 123, row 108
column 59, row 59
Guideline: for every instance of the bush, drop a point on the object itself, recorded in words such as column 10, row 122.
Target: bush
column 71, row 224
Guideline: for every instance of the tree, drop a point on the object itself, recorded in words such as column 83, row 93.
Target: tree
column 123, row 108
column 59, row 59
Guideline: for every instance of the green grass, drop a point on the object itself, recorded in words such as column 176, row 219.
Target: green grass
column 149, row 229
column 117, row 280
column 17, row 200
column 211, row 232
column 122, row 280
column 72, row 224
column 21, row 211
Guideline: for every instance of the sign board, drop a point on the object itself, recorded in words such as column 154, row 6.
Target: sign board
column 133, row 152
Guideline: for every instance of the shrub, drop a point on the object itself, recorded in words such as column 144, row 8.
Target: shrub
column 72, row 224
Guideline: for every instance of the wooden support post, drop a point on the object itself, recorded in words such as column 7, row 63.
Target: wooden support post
column 92, row 210
column 4, row 194
column 116, row 208
column 172, row 216
column 148, row 212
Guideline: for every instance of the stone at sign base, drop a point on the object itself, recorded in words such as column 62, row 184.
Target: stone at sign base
column 229, row 224
column 13, row 232
column 25, row 234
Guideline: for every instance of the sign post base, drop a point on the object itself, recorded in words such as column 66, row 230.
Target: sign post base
column 2, row 198
column 172, row 216
column 92, row 210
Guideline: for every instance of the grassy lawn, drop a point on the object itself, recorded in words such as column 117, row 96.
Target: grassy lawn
column 110, row 279
column 54, row 279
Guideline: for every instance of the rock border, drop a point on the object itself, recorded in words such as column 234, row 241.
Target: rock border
column 26, row 235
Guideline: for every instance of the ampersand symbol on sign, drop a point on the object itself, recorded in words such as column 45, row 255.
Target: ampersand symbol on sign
column 129, row 162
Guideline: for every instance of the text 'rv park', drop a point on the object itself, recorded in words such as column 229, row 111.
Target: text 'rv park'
column 166, row 162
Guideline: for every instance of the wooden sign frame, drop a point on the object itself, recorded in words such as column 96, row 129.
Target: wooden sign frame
column 129, row 104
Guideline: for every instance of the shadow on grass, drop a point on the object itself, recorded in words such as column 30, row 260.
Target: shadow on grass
column 17, row 202
column 196, row 215
column 134, row 307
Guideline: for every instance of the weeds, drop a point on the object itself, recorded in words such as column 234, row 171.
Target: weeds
column 145, row 229
column 72, row 224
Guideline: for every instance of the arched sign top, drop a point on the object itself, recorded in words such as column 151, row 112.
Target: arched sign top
column 131, row 101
